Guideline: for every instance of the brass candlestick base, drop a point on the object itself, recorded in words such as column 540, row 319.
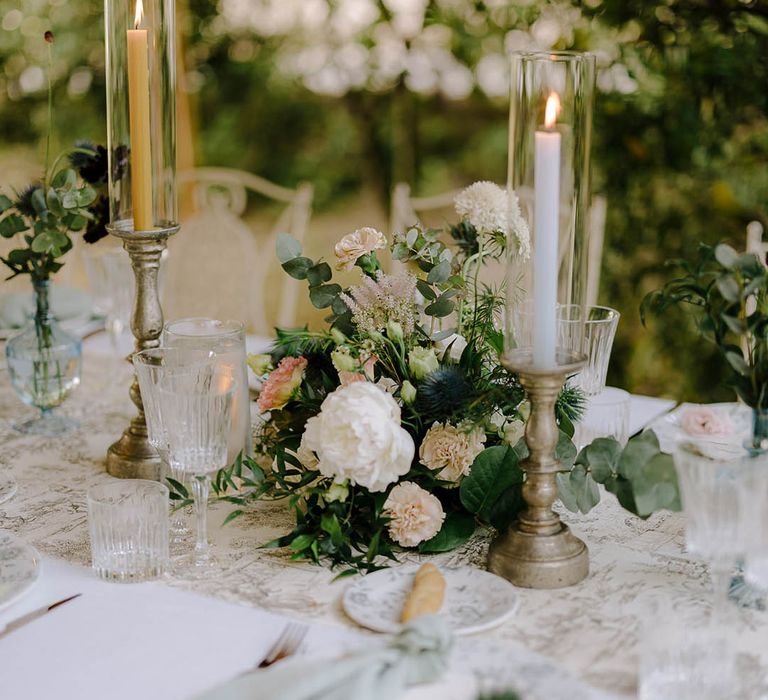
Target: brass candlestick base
column 132, row 457
column 537, row 550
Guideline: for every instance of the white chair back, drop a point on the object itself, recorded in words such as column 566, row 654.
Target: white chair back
column 220, row 266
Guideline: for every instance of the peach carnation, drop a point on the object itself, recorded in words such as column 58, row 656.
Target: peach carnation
column 415, row 514
column 282, row 383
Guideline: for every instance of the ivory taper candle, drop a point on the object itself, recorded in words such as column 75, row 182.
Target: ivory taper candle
column 138, row 102
column 546, row 230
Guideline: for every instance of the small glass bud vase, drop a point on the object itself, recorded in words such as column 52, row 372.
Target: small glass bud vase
column 44, row 367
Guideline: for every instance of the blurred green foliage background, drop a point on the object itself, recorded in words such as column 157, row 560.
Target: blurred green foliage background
column 353, row 95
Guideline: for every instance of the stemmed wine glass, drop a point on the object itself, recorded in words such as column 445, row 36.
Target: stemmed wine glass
column 714, row 483
column 196, row 411
column 151, row 366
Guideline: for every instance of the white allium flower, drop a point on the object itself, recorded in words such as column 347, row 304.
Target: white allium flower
column 416, row 515
column 357, row 436
column 451, row 450
column 356, row 244
column 486, row 206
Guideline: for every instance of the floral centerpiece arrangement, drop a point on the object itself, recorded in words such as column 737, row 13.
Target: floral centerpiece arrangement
column 397, row 427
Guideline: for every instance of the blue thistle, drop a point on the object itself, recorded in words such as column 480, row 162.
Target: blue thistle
column 444, row 393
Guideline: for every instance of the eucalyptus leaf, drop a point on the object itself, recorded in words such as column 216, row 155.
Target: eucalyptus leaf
column 440, row 272
column 602, row 457
column 5, row 203
column 638, row 451
column 11, row 225
column 729, row 288
column 736, row 360
column 425, row 289
column 287, row 247
column 298, row 267
column 655, row 486
column 565, row 492
column 440, row 308
column 64, row 179
column 323, row 296
column 726, row 255
column 319, row 273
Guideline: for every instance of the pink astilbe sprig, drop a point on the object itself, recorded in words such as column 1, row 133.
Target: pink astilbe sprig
column 386, row 298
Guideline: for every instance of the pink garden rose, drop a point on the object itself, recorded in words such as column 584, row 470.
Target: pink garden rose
column 282, row 383
column 703, row 420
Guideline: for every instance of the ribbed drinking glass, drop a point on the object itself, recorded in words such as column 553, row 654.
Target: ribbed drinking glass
column 590, row 330
column 196, row 410
column 128, row 525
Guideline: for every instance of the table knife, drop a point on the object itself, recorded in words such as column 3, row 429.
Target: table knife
column 30, row 616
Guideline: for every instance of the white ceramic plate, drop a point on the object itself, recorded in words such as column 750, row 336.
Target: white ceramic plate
column 19, row 567
column 670, row 431
column 475, row 600
column 7, row 487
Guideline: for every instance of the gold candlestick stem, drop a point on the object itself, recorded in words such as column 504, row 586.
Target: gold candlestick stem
column 132, row 457
column 538, row 550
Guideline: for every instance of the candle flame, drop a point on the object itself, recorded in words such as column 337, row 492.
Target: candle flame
column 550, row 112
column 139, row 14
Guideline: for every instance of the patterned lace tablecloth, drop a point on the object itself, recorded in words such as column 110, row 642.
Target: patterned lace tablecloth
column 591, row 629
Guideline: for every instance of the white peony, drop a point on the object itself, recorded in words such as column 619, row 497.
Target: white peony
column 357, row 436
column 416, row 515
column 451, row 450
column 453, row 346
column 356, row 244
column 486, row 206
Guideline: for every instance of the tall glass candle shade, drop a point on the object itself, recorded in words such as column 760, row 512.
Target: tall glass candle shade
column 548, row 191
column 550, row 133
column 141, row 144
column 141, row 113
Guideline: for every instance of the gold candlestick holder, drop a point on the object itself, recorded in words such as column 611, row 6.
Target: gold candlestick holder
column 538, row 550
column 132, row 457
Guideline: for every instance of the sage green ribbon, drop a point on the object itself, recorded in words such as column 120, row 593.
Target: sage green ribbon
column 418, row 654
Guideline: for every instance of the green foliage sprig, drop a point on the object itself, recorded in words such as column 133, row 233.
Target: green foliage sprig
column 727, row 293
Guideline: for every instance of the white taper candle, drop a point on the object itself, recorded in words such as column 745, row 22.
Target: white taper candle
column 546, row 230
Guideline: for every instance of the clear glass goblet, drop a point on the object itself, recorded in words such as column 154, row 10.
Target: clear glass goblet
column 714, row 488
column 151, row 367
column 196, row 410
column 227, row 340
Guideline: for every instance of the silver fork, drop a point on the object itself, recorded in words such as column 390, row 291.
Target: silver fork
column 287, row 644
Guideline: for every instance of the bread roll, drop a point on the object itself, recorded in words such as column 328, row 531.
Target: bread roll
column 426, row 595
